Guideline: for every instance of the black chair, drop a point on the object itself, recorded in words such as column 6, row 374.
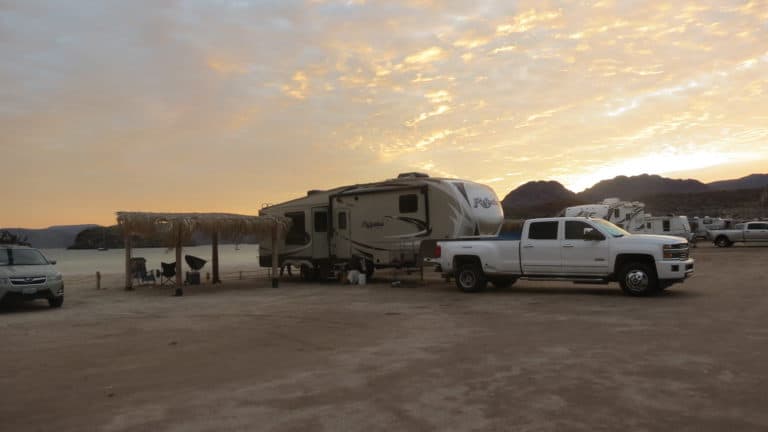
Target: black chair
column 139, row 271
column 167, row 277
column 195, row 263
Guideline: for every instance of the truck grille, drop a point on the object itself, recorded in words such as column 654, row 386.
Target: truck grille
column 23, row 281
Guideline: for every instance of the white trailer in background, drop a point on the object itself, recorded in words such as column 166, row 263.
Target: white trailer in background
column 631, row 216
column 382, row 224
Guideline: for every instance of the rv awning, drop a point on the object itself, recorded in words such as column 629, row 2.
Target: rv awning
column 176, row 227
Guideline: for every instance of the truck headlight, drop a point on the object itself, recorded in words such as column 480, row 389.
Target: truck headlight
column 675, row 251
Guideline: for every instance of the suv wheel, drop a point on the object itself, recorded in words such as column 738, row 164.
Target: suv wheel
column 638, row 279
column 470, row 278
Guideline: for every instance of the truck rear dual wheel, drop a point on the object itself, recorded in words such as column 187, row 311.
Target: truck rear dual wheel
column 638, row 279
column 470, row 278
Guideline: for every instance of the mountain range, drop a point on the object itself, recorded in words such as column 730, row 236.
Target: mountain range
column 660, row 194
column 59, row 236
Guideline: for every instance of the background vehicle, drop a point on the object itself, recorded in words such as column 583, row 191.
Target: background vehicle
column 631, row 216
column 577, row 249
column 383, row 223
column 747, row 232
column 26, row 274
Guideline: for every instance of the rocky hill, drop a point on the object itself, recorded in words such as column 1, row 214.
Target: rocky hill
column 632, row 188
column 745, row 197
column 49, row 238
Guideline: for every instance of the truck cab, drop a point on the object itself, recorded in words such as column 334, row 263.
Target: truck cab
column 577, row 249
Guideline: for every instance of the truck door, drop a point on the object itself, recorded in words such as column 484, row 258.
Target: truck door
column 583, row 257
column 342, row 234
column 540, row 249
column 756, row 231
column 320, row 232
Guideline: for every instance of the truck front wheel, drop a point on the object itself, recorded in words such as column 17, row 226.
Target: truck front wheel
column 722, row 241
column 470, row 278
column 638, row 279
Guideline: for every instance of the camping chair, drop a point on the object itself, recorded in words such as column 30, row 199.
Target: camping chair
column 139, row 271
column 167, row 277
column 195, row 263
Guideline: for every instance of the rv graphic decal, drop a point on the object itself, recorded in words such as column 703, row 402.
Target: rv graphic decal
column 485, row 202
column 372, row 225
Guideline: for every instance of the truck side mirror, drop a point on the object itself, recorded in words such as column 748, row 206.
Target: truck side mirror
column 591, row 234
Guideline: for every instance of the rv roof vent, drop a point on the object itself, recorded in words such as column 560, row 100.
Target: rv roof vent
column 412, row 175
column 314, row 191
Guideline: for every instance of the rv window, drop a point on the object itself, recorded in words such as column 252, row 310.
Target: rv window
column 574, row 230
column 648, row 225
column 409, row 203
column 543, row 231
column 342, row 220
column 665, row 225
column 321, row 221
column 296, row 235
column 615, row 213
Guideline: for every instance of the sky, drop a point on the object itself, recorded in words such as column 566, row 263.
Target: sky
column 225, row 105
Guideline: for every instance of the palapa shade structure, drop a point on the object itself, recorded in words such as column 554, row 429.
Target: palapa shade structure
column 177, row 227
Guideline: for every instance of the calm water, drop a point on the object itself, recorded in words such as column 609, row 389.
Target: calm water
column 78, row 262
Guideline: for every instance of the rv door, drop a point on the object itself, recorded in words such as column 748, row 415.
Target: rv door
column 320, row 232
column 342, row 234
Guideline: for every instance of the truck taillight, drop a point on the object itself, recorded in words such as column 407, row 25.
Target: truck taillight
column 438, row 251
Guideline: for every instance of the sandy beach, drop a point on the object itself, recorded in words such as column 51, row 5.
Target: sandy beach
column 323, row 356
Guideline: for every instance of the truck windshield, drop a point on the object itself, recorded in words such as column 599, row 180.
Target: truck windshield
column 21, row 257
column 610, row 228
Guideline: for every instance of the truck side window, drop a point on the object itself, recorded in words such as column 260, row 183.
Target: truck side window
column 574, row 230
column 321, row 221
column 543, row 231
column 665, row 225
column 409, row 203
column 342, row 220
column 295, row 235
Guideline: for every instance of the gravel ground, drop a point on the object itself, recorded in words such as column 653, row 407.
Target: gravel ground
column 534, row 357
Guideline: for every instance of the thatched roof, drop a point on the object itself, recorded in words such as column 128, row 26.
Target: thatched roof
column 184, row 224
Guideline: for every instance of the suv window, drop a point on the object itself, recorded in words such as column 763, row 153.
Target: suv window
column 543, row 231
column 22, row 257
column 574, row 230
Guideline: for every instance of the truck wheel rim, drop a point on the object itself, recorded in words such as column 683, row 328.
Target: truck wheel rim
column 467, row 279
column 637, row 280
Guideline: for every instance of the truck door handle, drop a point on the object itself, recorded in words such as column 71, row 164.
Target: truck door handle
column 528, row 246
column 567, row 244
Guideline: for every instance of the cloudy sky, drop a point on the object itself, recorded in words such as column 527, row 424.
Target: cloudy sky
column 223, row 105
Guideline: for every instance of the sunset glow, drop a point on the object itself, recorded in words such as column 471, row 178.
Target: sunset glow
column 226, row 105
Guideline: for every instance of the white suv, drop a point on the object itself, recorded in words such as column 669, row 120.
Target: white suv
column 28, row 275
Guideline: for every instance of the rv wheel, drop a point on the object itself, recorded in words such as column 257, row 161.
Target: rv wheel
column 470, row 278
column 369, row 269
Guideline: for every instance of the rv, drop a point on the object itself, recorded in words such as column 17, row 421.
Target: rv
column 632, row 217
column 380, row 224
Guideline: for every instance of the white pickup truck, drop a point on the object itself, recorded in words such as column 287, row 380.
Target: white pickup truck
column 748, row 232
column 577, row 249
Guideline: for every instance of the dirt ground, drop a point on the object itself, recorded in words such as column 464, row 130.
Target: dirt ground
column 535, row 357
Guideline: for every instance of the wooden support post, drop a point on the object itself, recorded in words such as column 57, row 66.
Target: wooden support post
column 128, row 275
column 274, row 256
column 215, row 256
column 179, row 291
column 98, row 280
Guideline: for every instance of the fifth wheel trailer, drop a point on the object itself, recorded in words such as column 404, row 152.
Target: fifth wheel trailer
column 381, row 224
